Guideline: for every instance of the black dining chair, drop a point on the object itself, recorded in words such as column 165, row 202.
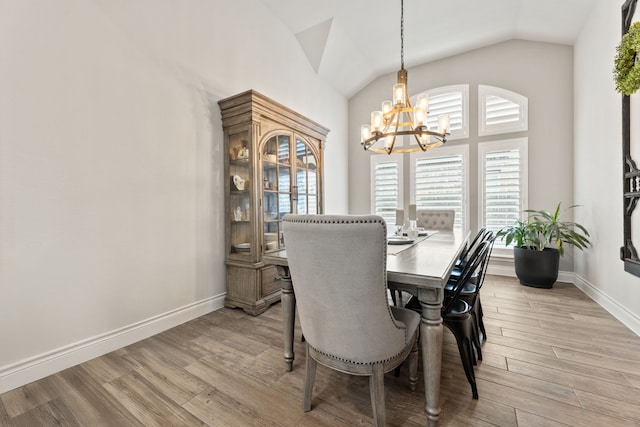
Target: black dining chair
column 471, row 290
column 468, row 250
column 457, row 313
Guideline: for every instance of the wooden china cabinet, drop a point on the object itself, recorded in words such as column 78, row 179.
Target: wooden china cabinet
column 273, row 166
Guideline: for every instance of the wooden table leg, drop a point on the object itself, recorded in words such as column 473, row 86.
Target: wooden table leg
column 431, row 346
column 288, row 315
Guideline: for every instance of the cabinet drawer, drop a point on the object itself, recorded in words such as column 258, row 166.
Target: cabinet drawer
column 270, row 282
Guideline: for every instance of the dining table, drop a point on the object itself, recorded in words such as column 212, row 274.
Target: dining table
column 420, row 268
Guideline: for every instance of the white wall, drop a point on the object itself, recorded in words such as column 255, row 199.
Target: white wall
column 111, row 201
column 598, row 166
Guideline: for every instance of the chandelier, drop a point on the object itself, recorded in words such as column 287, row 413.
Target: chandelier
column 398, row 117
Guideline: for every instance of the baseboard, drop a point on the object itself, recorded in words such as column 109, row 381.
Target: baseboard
column 37, row 367
column 629, row 319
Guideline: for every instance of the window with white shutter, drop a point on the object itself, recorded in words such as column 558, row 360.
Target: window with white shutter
column 386, row 188
column 503, row 186
column 452, row 101
column 439, row 181
column 501, row 111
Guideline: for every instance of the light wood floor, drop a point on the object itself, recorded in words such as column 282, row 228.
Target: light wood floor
column 553, row 358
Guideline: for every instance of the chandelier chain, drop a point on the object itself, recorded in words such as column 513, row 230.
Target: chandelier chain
column 402, row 34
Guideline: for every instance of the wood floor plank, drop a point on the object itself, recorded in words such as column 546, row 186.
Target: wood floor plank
column 527, row 419
column 513, row 318
column 53, row 412
column 598, row 348
column 626, row 366
column 525, row 345
column 270, row 404
column 175, row 382
column 30, row 396
column 622, row 392
column 553, row 410
column 464, row 411
column 108, row 367
column 533, row 385
column 148, row 403
column 218, row 409
column 91, row 403
column 609, row 406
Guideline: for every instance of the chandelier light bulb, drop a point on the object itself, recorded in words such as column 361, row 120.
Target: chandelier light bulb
column 443, row 124
column 419, row 116
column 376, row 121
column 365, row 132
column 399, row 94
column 422, row 100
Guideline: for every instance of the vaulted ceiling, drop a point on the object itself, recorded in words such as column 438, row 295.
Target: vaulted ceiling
column 351, row 42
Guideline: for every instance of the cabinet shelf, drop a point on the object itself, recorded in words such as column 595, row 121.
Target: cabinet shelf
column 240, row 162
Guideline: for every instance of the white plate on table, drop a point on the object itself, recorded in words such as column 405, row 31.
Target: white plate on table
column 400, row 240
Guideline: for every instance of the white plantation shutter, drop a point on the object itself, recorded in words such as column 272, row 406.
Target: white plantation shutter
column 387, row 186
column 501, row 111
column 439, row 184
column 446, row 103
column 452, row 101
column 504, row 168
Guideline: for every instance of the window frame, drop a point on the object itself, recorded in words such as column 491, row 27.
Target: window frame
column 484, row 129
column 443, row 151
column 522, row 145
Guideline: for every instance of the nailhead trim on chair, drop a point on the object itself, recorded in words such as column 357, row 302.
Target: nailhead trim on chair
column 340, row 359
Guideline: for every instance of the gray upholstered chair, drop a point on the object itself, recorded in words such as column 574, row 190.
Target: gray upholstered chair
column 338, row 270
column 435, row 219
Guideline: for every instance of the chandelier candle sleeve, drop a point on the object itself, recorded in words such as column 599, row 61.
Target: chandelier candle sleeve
column 412, row 212
column 443, row 124
column 399, row 95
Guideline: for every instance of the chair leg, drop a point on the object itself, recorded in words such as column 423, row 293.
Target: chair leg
column 464, row 346
column 461, row 330
column 376, row 389
column 475, row 337
column 480, row 321
column 309, row 379
column 413, row 366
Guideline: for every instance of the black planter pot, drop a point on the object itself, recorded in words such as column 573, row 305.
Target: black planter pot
column 538, row 269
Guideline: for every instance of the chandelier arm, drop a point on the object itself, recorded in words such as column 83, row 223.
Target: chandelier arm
column 423, row 147
column 395, row 134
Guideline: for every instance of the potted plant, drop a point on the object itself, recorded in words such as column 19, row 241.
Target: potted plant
column 539, row 243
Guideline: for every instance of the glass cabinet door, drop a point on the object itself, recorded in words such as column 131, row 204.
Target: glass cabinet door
column 276, row 189
column 306, row 179
column 240, row 194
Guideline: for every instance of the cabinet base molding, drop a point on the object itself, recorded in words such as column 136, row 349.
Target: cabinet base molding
column 251, row 287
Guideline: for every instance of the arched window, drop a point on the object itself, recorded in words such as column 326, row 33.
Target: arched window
column 501, row 111
column 451, row 100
